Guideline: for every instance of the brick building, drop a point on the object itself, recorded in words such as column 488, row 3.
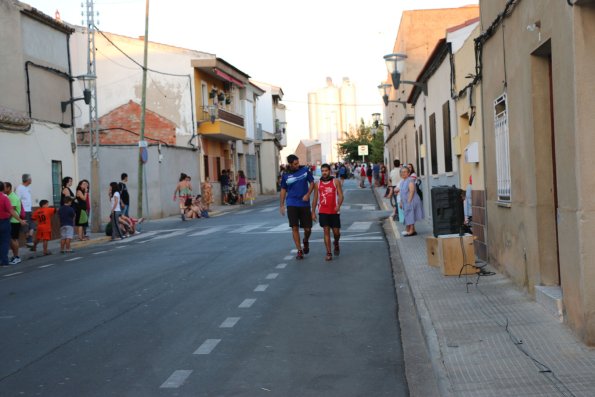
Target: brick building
column 121, row 126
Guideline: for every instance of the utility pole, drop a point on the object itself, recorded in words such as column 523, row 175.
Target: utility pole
column 142, row 144
column 93, row 121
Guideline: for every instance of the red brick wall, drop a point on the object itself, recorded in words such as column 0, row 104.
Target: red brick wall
column 127, row 116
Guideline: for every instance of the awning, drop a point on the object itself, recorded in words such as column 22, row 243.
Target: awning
column 227, row 77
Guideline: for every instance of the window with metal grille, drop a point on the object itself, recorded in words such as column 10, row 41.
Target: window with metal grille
column 502, row 149
column 251, row 166
column 56, row 182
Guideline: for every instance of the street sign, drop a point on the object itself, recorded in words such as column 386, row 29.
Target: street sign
column 362, row 150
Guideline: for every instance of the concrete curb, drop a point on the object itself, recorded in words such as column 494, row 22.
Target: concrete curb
column 412, row 307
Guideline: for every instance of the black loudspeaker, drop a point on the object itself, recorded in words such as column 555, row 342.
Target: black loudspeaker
column 447, row 210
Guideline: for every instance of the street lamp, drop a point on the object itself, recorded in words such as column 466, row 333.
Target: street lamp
column 376, row 123
column 384, row 90
column 86, row 78
column 395, row 63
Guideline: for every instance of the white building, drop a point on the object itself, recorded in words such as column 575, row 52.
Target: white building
column 36, row 136
column 271, row 136
column 436, row 117
column 332, row 114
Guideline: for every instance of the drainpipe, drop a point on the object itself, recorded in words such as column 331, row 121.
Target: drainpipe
column 428, row 166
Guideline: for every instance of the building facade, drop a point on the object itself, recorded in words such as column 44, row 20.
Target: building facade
column 36, row 131
column 538, row 93
column 419, row 31
column 332, row 115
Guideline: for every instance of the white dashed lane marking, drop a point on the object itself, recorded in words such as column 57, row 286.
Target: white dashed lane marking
column 247, row 303
column 207, row 346
column 261, row 288
column 272, row 276
column 270, row 209
column 229, row 322
column 281, row 266
column 99, row 252
column 43, row 266
column 288, row 257
column 73, row 259
column 176, row 379
column 13, row 274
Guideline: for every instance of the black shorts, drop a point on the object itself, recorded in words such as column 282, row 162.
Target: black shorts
column 300, row 216
column 15, row 230
column 330, row 220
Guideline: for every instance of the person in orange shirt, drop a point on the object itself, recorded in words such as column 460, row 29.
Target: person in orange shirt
column 43, row 216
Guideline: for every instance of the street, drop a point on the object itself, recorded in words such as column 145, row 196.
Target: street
column 211, row 307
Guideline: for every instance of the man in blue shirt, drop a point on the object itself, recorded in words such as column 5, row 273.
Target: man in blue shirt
column 297, row 184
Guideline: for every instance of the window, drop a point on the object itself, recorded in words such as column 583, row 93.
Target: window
column 434, row 150
column 502, row 149
column 447, row 136
column 56, row 182
column 206, row 165
column 218, row 165
column 418, row 160
column 251, row 166
column 204, row 95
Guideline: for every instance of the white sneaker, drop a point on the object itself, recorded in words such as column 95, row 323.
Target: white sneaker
column 15, row 261
column 404, row 232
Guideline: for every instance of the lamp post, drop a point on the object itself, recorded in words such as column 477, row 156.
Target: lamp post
column 395, row 63
column 384, row 90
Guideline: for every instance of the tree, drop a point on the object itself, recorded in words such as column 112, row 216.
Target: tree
column 363, row 135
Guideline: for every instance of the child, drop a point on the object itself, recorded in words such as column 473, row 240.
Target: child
column 250, row 194
column 43, row 216
column 67, row 215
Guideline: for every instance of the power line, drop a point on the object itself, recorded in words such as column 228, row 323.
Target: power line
column 334, row 104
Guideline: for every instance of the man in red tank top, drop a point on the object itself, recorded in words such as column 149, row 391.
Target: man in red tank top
column 328, row 197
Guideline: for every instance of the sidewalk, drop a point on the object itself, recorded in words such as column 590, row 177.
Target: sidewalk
column 494, row 340
column 97, row 238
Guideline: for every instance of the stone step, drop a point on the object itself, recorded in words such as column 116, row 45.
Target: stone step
column 550, row 298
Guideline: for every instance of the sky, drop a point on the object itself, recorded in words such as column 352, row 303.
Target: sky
column 291, row 44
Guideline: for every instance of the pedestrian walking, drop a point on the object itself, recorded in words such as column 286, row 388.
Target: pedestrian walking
column 24, row 193
column 15, row 224
column 116, row 210
column 363, row 174
column 6, row 213
column 43, row 217
column 328, row 198
column 242, row 188
column 124, row 195
column 410, row 203
column 369, row 173
column 66, row 214
column 182, row 193
column 250, row 194
column 342, row 173
column 297, row 185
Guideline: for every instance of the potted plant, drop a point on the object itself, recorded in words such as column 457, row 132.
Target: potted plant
column 228, row 100
column 221, row 97
column 212, row 94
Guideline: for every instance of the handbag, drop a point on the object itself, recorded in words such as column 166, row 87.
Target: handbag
column 83, row 218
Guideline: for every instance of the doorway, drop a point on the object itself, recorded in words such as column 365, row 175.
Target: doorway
column 546, row 173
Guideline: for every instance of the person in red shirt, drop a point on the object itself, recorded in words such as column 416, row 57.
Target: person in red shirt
column 328, row 196
column 6, row 212
column 43, row 216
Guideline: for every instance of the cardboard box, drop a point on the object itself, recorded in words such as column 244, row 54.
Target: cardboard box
column 433, row 251
column 451, row 257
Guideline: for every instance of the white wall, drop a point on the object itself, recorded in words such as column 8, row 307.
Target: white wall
column 32, row 153
column 120, row 80
column 264, row 110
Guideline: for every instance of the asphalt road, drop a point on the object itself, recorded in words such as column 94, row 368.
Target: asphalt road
column 210, row 307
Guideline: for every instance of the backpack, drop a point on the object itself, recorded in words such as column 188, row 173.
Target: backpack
column 420, row 193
